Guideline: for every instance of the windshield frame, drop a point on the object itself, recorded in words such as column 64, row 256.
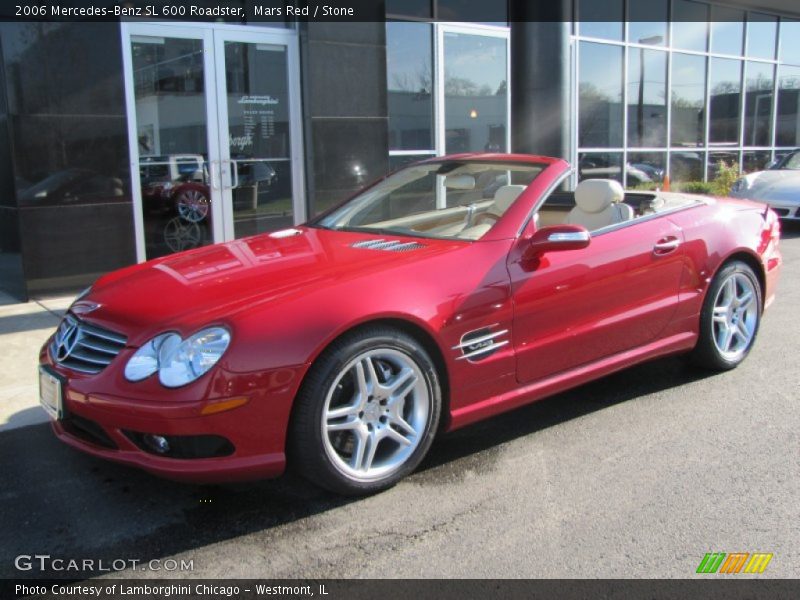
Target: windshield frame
column 445, row 164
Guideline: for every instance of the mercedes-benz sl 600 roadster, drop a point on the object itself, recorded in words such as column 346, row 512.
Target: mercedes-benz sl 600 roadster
column 446, row 292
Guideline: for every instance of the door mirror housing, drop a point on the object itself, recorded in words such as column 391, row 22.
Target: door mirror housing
column 556, row 237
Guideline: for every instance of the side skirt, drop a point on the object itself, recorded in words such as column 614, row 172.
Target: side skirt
column 560, row 382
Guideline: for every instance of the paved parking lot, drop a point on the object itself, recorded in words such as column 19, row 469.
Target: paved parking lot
column 637, row 475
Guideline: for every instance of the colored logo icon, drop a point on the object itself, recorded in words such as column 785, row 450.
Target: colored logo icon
column 737, row 562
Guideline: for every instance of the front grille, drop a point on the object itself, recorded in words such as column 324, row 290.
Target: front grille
column 82, row 347
column 389, row 246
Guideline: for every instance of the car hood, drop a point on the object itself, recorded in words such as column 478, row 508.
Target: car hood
column 778, row 184
column 209, row 285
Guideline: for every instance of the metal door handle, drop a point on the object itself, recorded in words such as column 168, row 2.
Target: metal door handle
column 666, row 245
column 234, row 174
column 212, row 173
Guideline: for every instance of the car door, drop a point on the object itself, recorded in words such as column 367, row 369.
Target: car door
column 577, row 306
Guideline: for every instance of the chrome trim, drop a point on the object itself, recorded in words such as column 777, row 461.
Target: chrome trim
column 645, row 218
column 490, row 347
column 84, row 348
column 484, row 350
column 478, row 340
column 569, row 236
column 670, row 245
column 547, row 193
column 387, row 245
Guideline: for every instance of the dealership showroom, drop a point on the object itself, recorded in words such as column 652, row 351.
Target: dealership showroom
column 124, row 140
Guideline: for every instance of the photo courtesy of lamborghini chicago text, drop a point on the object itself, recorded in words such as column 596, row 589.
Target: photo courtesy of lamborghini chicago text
column 362, row 298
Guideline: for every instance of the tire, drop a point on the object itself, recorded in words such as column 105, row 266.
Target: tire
column 353, row 436
column 729, row 319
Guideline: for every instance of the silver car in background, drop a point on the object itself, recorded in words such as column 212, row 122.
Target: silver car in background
column 778, row 186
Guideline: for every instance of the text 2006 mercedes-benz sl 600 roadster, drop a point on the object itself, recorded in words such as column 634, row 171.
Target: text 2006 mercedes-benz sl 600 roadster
column 446, row 292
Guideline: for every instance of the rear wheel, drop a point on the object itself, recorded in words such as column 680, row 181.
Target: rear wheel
column 367, row 412
column 730, row 318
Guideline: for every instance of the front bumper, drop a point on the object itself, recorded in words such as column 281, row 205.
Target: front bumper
column 99, row 420
column 785, row 210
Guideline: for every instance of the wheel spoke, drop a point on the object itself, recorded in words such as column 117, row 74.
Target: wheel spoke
column 401, row 383
column 366, row 377
column 403, row 424
column 372, row 375
column 372, row 446
column 746, row 299
column 349, row 424
column 720, row 314
column 743, row 332
column 360, row 441
column 397, row 437
column 361, row 381
column 342, row 411
column 725, row 337
column 729, row 291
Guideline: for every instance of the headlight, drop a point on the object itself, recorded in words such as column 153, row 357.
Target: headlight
column 740, row 185
column 184, row 362
column 146, row 360
column 177, row 361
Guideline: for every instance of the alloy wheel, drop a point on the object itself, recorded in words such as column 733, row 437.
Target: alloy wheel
column 735, row 316
column 375, row 414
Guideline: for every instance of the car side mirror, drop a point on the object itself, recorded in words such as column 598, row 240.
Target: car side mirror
column 556, row 237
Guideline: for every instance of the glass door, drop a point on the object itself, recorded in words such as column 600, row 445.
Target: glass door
column 214, row 133
column 259, row 131
column 171, row 102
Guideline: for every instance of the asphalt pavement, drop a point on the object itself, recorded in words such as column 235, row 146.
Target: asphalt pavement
column 636, row 475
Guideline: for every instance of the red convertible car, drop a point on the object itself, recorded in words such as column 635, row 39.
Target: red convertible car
column 446, row 292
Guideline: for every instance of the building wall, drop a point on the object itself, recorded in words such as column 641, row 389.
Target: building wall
column 344, row 108
column 11, row 276
column 66, row 125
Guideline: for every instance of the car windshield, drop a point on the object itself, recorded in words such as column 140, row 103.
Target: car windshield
column 451, row 199
column 792, row 162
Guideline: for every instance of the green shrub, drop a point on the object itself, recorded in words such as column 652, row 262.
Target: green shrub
column 719, row 186
column 726, row 177
column 695, row 187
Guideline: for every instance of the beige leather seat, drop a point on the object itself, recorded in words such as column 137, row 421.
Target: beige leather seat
column 503, row 198
column 599, row 204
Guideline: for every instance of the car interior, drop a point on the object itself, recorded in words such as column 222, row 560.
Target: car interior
column 465, row 202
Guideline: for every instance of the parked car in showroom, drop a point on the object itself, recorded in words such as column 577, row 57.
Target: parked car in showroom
column 346, row 345
column 176, row 183
column 778, row 186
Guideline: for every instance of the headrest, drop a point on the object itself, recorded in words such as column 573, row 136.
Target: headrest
column 504, row 197
column 459, row 182
column 595, row 195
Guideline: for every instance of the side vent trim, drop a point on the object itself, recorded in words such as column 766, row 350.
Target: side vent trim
column 480, row 343
column 387, row 245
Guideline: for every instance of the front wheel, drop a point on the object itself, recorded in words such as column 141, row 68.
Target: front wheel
column 730, row 318
column 367, row 412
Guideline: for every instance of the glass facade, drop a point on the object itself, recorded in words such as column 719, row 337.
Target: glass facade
column 658, row 87
column 447, row 89
column 681, row 86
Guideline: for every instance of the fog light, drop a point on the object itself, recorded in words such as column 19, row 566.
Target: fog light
column 156, row 443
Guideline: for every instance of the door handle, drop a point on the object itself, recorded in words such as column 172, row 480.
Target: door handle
column 234, row 174
column 666, row 245
column 213, row 166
